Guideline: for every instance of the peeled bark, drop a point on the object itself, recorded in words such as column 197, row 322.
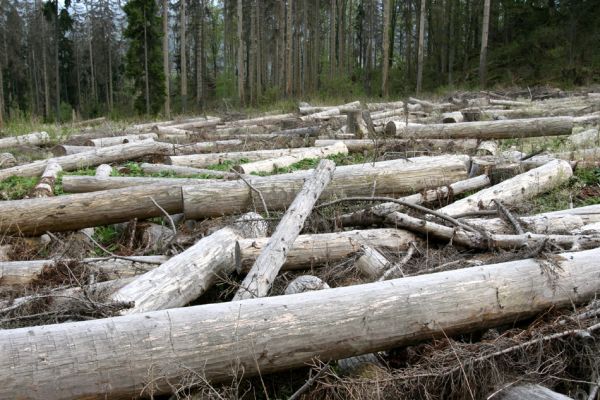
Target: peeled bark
column 45, row 187
column 392, row 177
column 92, row 158
column 273, row 164
column 116, row 140
column 33, row 139
column 7, row 160
column 370, row 216
column 517, row 128
column 515, row 190
column 282, row 332
column 259, row 280
column 184, row 277
column 26, row 272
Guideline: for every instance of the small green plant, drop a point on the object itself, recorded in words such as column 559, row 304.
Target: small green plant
column 106, row 234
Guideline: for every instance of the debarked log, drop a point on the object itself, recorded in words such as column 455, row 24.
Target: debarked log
column 392, row 177
column 485, row 130
column 25, row 272
column 33, row 139
column 270, row 334
column 319, row 249
column 92, row 158
column 516, row 189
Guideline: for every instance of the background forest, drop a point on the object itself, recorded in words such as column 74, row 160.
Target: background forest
column 60, row 59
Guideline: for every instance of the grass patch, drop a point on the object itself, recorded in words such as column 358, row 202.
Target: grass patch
column 16, row 187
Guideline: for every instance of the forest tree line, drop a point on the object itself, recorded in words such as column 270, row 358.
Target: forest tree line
column 85, row 58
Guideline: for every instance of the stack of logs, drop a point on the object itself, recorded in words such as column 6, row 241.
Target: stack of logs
column 213, row 172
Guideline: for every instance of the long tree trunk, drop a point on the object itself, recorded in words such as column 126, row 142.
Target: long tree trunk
column 282, row 332
column 289, row 49
column 241, row 66
column 484, row 42
column 165, row 49
column 421, row 43
column 146, row 75
column 385, row 89
column 1, row 98
column 183, row 55
column 484, row 130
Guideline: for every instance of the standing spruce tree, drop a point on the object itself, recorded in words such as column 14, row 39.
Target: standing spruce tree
column 144, row 57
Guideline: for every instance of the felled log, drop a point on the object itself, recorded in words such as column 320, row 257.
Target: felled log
column 209, row 122
column 259, row 280
column 99, row 156
column 385, row 106
column 452, row 117
column 116, row 140
column 184, row 171
column 429, row 106
column 460, row 236
column 386, row 114
column 271, row 164
column 485, row 130
column 203, row 160
column 305, row 283
column 515, row 190
column 264, row 120
column 154, row 237
column 7, row 160
column 171, row 132
column 66, row 150
column 282, row 332
column 72, row 212
column 187, row 275
column 278, row 191
column 26, row 272
column 85, row 184
column 371, row 262
column 360, row 145
column 306, row 110
column 33, row 139
column 310, row 251
column 370, row 216
column 309, row 131
column 206, row 147
column 509, row 103
column 103, row 171
column 541, row 223
column 585, row 138
column 45, row 187
column 488, row 147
